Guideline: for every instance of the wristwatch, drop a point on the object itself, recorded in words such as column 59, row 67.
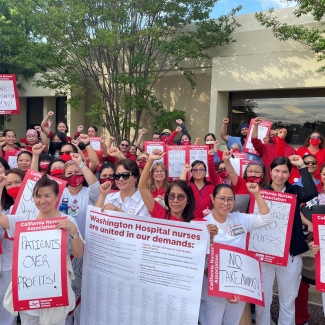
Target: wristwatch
column 301, row 165
column 75, row 236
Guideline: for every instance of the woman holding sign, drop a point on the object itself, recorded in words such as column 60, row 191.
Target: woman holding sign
column 45, row 195
column 232, row 230
column 288, row 277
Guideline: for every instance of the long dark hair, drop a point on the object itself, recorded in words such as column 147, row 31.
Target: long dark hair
column 63, row 139
column 322, row 140
column 188, row 213
column 6, row 200
column 265, row 179
column 281, row 161
column 195, row 163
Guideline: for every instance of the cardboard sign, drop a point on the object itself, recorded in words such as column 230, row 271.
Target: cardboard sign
column 319, row 239
column 150, row 146
column 243, row 166
column 39, row 271
column 25, row 201
column 95, row 143
column 175, row 161
column 236, row 161
column 272, row 243
column 11, row 158
column 235, row 271
column 9, row 100
column 263, row 131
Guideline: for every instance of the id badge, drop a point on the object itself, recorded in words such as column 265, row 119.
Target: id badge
column 237, row 230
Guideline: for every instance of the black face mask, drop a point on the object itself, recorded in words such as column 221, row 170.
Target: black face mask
column 56, row 145
column 81, row 146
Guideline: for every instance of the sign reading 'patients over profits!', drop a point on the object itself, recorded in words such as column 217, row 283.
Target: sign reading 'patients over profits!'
column 9, row 101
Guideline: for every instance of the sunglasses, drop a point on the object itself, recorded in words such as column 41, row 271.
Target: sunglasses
column 220, row 170
column 179, row 197
column 124, row 175
column 198, row 170
column 311, row 162
column 142, row 159
column 124, row 145
column 315, row 137
column 165, row 135
column 67, row 152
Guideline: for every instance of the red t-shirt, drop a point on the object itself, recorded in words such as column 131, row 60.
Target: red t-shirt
column 66, row 137
column 159, row 191
column 202, row 199
column 240, row 187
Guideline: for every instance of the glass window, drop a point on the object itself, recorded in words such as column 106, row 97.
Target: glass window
column 300, row 116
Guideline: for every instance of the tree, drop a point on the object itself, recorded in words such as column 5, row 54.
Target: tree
column 116, row 50
column 312, row 37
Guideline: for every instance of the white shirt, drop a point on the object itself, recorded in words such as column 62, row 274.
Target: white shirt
column 77, row 204
column 131, row 205
column 238, row 221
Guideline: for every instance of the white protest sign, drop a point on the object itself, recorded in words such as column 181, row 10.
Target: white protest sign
column 95, row 143
column 235, row 271
column 272, row 243
column 139, row 270
column 235, row 161
column 9, row 101
column 197, row 152
column 150, row 146
column 11, row 158
column 176, row 159
column 39, row 265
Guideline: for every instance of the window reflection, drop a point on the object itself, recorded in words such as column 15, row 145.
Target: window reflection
column 300, row 116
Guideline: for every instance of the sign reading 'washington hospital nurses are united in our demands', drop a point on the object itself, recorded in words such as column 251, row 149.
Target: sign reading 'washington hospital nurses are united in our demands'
column 9, row 101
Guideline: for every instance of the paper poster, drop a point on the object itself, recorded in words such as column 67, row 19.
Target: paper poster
column 11, row 157
column 236, row 161
column 9, row 100
column 243, row 166
column 272, row 243
column 150, row 146
column 95, row 143
column 176, row 159
column 235, row 271
column 139, row 270
column 77, row 264
column 197, row 152
column 319, row 239
column 25, row 201
column 263, row 131
column 39, row 271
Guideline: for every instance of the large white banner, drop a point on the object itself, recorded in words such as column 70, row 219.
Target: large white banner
column 140, row 270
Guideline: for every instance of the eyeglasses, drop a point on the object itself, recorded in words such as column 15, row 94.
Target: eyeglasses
column 165, row 135
column 65, row 152
column 124, row 145
column 142, row 159
column 179, row 197
column 225, row 200
column 125, row 175
column 198, row 170
column 310, row 162
column 254, row 172
column 220, row 170
column 273, row 135
column 159, row 172
column 315, row 137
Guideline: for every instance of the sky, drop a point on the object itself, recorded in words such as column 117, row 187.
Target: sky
column 249, row 6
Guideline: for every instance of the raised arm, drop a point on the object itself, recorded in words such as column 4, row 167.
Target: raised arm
column 254, row 189
column 227, row 154
column 93, row 158
column 37, row 149
column 88, row 174
column 104, row 189
column 223, row 131
column 170, row 139
column 102, row 142
column 44, row 127
column 280, row 145
column 143, row 182
column 44, row 138
column 187, row 168
column 139, row 140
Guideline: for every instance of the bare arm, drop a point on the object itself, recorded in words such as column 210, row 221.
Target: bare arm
column 37, row 149
column 187, row 168
column 230, row 169
column 223, row 131
column 44, row 138
column 88, row 174
column 93, row 158
column 45, row 129
column 139, row 140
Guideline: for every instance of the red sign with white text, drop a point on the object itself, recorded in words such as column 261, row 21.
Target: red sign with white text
column 39, row 270
column 319, row 239
column 9, row 99
column 272, row 243
column 235, row 271
column 11, row 158
column 25, row 202
column 263, row 131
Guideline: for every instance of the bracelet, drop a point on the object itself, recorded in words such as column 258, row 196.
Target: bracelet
column 87, row 144
column 83, row 164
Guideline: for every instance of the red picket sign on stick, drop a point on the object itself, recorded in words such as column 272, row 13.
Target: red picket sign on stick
column 319, row 239
column 9, row 100
column 235, row 271
column 272, row 243
column 263, row 131
column 197, row 152
column 25, row 202
column 39, row 271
